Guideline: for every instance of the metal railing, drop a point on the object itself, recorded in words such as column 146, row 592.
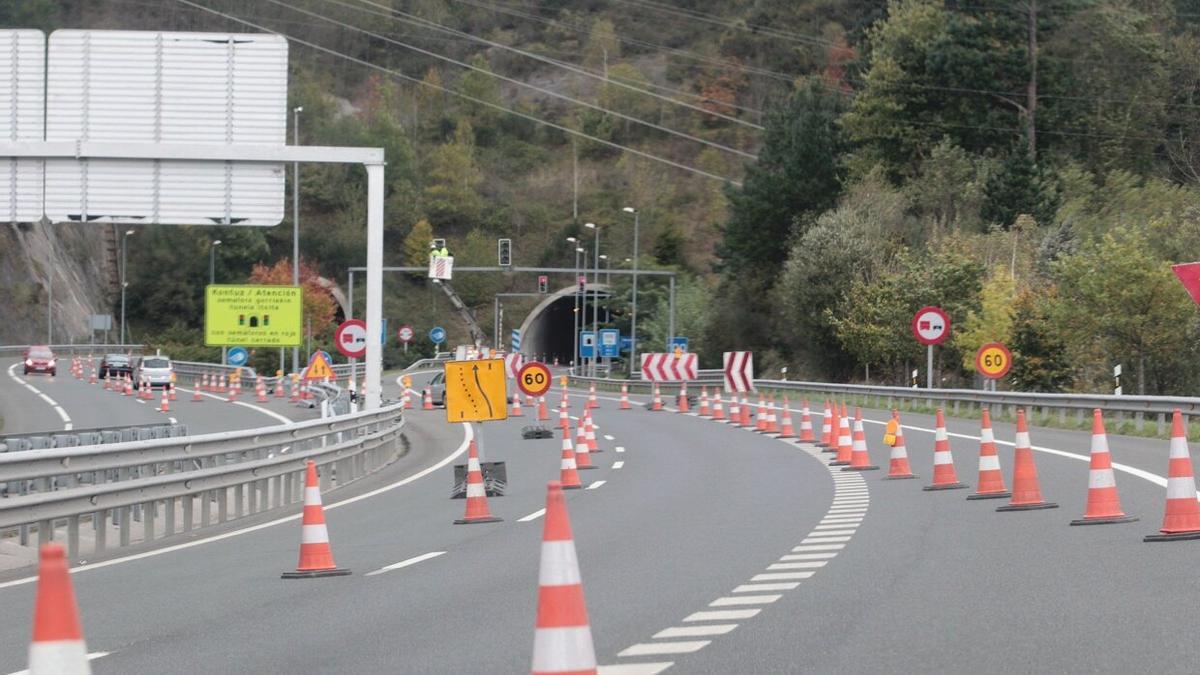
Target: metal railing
column 210, row 478
column 73, row 350
column 197, row 368
column 41, row 440
column 1045, row 406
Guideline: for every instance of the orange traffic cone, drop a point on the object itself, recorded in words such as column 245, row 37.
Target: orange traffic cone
column 542, row 414
column 57, row 645
column 833, row 429
column 991, row 478
column 787, row 429
column 316, row 557
column 592, row 403
column 735, row 411
column 683, row 399
column 1103, row 505
column 92, row 377
column 477, row 504
column 582, row 460
column 860, row 458
column 427, row 402
column 899, row 468
column 624, row 405
column 746, row 422
column 568, row 474
column 1182, row 517
column 260, row 390
column 279, row 393
column 165, row 405
column 196, row 397
column 704, row 409
column 562, row 639
column 516, row 409
column 657, row 403
column 772, row 416
column 718, row 407
column 826, row 428
column 589, row 433
column 1026, row 494
column 235, row 388
column 944, row 477
column 845, row 446
column 806, row 427
column 564, row 419
column 760, row 414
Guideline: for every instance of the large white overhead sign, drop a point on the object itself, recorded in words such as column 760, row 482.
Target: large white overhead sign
column 22, row 118
column 200, row 89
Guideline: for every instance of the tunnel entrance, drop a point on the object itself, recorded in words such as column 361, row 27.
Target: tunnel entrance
column 548, row 331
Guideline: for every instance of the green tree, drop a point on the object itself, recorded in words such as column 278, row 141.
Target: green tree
column 41, row 14
column 486, row 88
column 450, row 197
column 603, row 49
column 992, row 322
column 416, row 244
column 1040, row 360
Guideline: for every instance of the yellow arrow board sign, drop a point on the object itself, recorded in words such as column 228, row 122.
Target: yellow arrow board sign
column 475, row 391
column 253, row 316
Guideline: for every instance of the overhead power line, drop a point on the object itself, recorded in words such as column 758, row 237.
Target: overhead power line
column 547, row 92
column 478, row 101
column 708, row 17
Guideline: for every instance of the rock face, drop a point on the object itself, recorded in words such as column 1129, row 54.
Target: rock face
column 78, row 258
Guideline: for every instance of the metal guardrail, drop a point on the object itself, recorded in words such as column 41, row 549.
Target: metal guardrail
column 73, row 350
column 41, row 440
column 197, row 368
column 137, row 485
column 953, row 399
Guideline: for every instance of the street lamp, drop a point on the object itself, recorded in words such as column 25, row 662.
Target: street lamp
column 575, row 313
column 124, row 284
column 212, row 261
column 296, row 220
column 633, row 312
column 595, row 294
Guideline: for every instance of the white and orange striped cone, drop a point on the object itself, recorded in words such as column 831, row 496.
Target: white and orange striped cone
column 221, row 385
column 592, row 403
column 718, row 412
column 569, row 472
column 279, row 392
column 127, row 390
column 860, row 458
column 760, row 414
column 427, row 400
column 944, row 477
column 165, row 404
column 477, row 504
column 624, row 405
column 657, row 403
column 57, row 647
column 92, row 377
column 516, row 409
column 845, row 442
column 582, row 453
column 171, row 393
column 833, row 431
column 806, row 427
column 316, row 556
column 1181, row 520
column 108, row 382
column 405, row 400
column 826, row 429
column 898, row 468
column 735, row 411
column 682, row 404
column 564, row 418
column 772, row 415
column 589, row 433
column 562, row 638
column 746, row 422
column 260, row 391
column 196, row 397
column 203, row 382
column 234, row 389
column 705, row 410
column 787, row 429
column 1026, row 493
column 1103, row 504
column 543, row 415
column 991, row 477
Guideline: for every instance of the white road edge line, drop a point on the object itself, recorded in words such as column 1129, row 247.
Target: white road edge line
column 406, row 563
column 62, row 414
column 468, row 434
column 635, row 668
column 533, row 516
column 651, row 648
column 268, row 413
column 595, row 485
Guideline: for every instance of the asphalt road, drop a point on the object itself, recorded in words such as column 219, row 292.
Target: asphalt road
column 850, row 573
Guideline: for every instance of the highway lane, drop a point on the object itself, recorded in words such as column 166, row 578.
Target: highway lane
column 929, row 580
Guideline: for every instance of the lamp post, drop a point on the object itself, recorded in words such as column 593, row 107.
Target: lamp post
column 595, row 295
column 124, row 283
column 296, row 220
column 575, row 313
column 633, row 312
column 212, row 261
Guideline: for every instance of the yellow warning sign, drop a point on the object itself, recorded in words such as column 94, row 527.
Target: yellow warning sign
column 889, row 434
column 476, row 391
column 253, row 316
column 318, row 368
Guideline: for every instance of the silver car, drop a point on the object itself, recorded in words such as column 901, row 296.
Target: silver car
column 156, row 370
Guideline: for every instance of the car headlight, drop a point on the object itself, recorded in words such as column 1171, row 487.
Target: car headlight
column 52, row 363
column 29, row 362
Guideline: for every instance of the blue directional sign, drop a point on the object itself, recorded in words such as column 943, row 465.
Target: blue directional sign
column 587, row 344
column 677, row 341
column 237, row 356
column 610, row 343
column 383, row 334
column 437, row 335
column 626, row 344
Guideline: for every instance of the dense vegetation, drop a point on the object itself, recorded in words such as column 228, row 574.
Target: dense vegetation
column 1030, row 166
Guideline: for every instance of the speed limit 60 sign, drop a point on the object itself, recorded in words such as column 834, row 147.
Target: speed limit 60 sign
column 534, row 378
column 993, row 360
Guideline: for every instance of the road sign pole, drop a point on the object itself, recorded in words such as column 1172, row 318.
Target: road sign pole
column 374, row 359
column 929, row 367
column 671, row 312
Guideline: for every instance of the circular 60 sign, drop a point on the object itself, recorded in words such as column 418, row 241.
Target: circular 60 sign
column 534, row 379
column 993, row 360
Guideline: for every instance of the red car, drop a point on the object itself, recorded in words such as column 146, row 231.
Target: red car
column 40, row 359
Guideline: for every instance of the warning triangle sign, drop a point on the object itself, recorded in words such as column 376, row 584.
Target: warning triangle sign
column 1189, row 275
column 318, row 368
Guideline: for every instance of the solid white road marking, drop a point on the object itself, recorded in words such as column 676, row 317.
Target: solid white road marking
column 823, row 540
column 62, row 414
column 744, row 600
column 695, row 631
column 595, row 485
column 268, row 413
column 832, row 533
column 533, row 516
column 651, row 648
column 635, row 668
column 468, row 434
column 808, row 556
column 760, row 588
column 618, row 464
column 405, row 563
column 818, row 547
column 619, row 448
column 172, row 420
column 804, row 565
column 722, row 615
column 92, row 656
column 607, row 437
column 782, row 576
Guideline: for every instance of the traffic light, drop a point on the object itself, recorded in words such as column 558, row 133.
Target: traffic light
column 543, row 284
column 504, row 252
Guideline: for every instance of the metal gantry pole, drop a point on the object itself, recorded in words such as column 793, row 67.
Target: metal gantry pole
column 296, row 221
column 575, row 284
column 633, row 313
column 596, row 302
column 50, row 286
column 671, row 313
column 374, row 358
column 124, row 237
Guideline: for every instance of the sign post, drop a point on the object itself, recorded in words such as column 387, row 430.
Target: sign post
column 931, row 326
